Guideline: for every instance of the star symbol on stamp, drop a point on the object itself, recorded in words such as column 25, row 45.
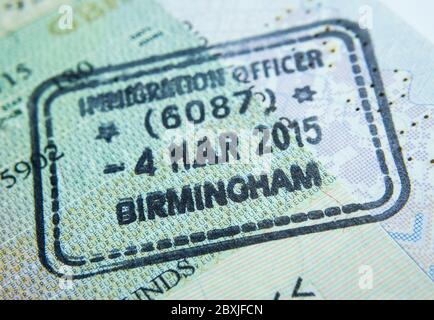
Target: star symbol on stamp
column 303, row 94
column 107, row 131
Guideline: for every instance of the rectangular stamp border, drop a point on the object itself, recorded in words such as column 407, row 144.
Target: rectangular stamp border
column 361, row 35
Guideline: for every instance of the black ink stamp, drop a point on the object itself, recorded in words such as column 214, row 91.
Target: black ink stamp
column 48, row 189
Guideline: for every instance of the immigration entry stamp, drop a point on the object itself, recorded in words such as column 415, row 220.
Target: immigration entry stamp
column 214, row 148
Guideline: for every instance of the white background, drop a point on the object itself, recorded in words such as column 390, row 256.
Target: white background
column 418, row 13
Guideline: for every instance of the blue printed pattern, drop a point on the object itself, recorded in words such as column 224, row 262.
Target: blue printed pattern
column 415, row 236
column 431, row 272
